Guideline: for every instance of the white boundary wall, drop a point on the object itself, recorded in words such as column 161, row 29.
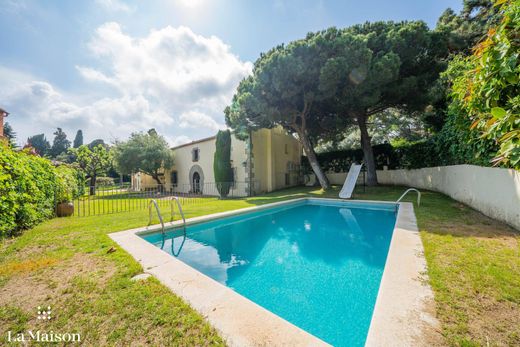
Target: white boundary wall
column 492, row 191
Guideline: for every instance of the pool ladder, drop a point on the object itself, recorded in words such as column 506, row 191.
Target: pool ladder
column 409, row 190
column 154, row 203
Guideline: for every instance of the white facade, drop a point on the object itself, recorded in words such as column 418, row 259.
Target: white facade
column 272, row 162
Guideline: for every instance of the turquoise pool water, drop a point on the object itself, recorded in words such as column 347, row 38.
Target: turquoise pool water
column 316, row 264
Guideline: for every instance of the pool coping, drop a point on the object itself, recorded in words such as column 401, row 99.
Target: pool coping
column 241, row 322
column 404, row 313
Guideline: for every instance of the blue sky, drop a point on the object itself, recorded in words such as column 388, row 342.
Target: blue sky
column 111, row 67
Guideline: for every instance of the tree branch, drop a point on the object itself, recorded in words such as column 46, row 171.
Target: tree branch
column 377, row 109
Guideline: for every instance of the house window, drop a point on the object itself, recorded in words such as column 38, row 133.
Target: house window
column 287, row 179
column 286, row 149
column 195, row 154
column 173, row 178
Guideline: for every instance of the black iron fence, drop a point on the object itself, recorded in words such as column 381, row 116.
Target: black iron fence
column 125, row 198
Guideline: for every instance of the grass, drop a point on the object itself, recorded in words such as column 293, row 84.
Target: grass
column 473, row 262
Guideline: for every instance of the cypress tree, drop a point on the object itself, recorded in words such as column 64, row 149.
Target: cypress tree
column 78, row 140
column 222, row 163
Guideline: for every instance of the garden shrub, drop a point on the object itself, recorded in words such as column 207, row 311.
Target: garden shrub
column 29, row 186
column 415, row 155
column 486, row 89
column 456, row 143
column 340, row 161
column 449, row 147
column 70, row 183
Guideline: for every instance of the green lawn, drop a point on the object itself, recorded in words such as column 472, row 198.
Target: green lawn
column 474, row 268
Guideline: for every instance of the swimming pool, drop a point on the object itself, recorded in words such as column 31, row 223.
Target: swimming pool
column 318, row 264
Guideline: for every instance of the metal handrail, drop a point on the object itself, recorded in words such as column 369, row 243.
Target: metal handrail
column 158, row 213
column 154, row 202
column 409, row 190
column 179, row 207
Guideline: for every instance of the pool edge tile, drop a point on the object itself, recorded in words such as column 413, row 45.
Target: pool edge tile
column 404, row 310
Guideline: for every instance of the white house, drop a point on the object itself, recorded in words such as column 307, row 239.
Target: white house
column 271, row 162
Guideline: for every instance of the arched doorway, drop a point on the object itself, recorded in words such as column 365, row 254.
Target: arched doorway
column 196, row 179
column 196, row 183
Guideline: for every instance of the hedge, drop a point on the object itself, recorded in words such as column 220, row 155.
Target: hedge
column 408, row 155
column 29, row 188
column 340, row 161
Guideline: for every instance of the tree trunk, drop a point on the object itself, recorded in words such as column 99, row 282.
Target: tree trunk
column 92, row 187
column 313, row 160
column 368, row 153
column 159, row 183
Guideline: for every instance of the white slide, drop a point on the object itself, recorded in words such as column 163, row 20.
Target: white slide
column 350, row 181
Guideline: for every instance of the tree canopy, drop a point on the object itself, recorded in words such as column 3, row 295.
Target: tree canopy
column 317, row 86
column 60, row 143
column 466, row 29
column 393, row 65
column 282, row 91
column 97, row 142
column 40, row 144
column 92, row 162
column 10, row 134
column 143, row 152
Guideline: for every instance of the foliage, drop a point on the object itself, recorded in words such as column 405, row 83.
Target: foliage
column 60, row 143
column 70, row 184
column 104, row 181
column 66, row 157
column 388, row 126
column 78, row 140
column 143, row 152
column 466, row 29
column 457, row 144
column 416, row 155
column 488, row 90
column 97, row 142
column 40, row 144
column 10, row 134
column 92, row 162
column 461, row 32
column 282, row 91
column 341, row 160
column 222, row 162
column 29, row 186
column 402, row 154
column 381, row 66
column 318, row 86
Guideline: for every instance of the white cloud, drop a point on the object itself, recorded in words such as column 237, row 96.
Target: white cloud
column 180, row 140
column 94, row 75
column 178, row 68
column 115, row 5
column 197, row 120
column 38, row 107
column 172, row 79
